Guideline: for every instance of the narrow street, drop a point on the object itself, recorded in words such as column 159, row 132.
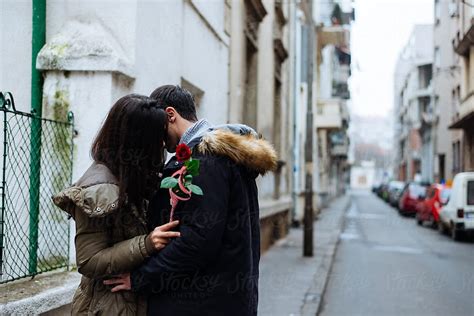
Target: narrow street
column 387, row 265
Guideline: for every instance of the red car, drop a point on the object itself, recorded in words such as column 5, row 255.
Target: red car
column 410, row 197
column 428, row 209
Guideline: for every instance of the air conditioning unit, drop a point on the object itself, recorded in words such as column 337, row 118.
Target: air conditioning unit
column 453, row 9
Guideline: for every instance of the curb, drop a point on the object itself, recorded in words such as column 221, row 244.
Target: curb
column 44, row 300
column 314, row 297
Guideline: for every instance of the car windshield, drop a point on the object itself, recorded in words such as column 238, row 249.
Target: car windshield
column 470, row 193
column 417, row 190
column 398, row 185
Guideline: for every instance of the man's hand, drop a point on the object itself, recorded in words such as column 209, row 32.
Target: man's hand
column 160, row 236
column 122, row 283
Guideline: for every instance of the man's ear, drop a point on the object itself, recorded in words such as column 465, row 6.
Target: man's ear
column 171, row 113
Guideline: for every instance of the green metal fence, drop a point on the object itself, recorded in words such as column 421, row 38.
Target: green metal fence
column 36, row 162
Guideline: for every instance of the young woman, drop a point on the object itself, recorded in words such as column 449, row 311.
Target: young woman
column 109, row 204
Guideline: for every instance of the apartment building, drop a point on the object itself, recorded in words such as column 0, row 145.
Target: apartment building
column 462, row 36
column 414, row 108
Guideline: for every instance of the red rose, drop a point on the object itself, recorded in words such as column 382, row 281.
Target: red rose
column 183, row 152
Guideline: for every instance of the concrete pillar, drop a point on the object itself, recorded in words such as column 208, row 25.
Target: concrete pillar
column 84, row 72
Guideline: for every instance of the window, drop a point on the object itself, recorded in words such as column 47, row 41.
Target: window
column 442, row 167
column 456, row 157
column 227, row 17
column 453, row 103
column 437, row 58
column 437, row 11
column 425, row 74
column 444, row 196
column 453, row 9
column 195, row 91
column 470, row 193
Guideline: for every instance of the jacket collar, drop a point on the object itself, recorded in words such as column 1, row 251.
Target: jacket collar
column 196, row 131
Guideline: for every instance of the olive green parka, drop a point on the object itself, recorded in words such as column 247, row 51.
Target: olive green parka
column 108, row 242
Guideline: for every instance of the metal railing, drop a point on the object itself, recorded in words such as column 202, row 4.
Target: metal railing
column 36, row 157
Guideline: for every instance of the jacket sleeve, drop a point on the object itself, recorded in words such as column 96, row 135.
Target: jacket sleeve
column 202, row 224
column 97, row 259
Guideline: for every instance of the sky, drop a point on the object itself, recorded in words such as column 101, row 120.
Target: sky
column 380, row 31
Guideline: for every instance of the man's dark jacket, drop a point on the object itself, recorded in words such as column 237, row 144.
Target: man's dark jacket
column 212, row 269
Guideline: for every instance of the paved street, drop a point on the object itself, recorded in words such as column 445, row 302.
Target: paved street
column 387, row 265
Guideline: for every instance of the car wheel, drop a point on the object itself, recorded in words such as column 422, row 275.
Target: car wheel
column 419, row 221
column 441, row 228
column 455, row 234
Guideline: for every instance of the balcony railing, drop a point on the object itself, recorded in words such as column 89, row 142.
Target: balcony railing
column 329, row 115
column 340, row 150
column 467, row 105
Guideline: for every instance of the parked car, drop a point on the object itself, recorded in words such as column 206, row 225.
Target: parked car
column 457, row 216
column 394, row 192
column 375, row 188
column 383, row 191
column 428, row 209
column 411, row 195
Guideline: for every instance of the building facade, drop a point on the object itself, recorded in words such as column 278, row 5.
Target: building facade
column 414, row 107
column 260, row 83
column 462, row 120
column 331, row 71
column 435, row 120
column 446, row 84
column 232, row 55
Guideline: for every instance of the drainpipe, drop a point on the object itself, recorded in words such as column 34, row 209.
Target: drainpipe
column 308, row 218
column 37, row 42
column 293, row 102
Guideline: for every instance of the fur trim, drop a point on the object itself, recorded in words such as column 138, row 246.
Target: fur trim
column 255, row 154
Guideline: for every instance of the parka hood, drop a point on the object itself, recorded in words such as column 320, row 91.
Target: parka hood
column 245, row 149
column 96, row 193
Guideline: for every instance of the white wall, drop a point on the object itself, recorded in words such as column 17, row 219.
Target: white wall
column 173, row 41
column 362, row 177
column 146, row 44
column 15, row 51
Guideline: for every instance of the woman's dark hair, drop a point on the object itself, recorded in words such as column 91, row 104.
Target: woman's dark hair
column 130, row 144
column 178, row 98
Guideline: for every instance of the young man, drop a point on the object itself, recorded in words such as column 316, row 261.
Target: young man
column 212, row 269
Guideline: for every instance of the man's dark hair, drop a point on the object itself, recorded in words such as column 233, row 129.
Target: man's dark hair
column 178, row 98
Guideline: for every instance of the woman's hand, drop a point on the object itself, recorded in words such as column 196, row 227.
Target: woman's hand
column 160, row 236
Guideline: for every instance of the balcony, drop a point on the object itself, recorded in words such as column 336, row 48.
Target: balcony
column 338, row 36
column 463, row 43
column 466, row 113
column 329, row 115
column 340, row 90
column 340, row 150
column 339, row 144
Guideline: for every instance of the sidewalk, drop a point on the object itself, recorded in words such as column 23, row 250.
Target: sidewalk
column 293, row 285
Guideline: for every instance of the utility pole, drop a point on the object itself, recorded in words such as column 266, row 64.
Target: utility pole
column 308, row 199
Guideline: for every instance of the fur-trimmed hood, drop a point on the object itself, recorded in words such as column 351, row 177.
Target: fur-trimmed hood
column 244, row 149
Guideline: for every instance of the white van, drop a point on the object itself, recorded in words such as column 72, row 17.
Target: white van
column 457, row 216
